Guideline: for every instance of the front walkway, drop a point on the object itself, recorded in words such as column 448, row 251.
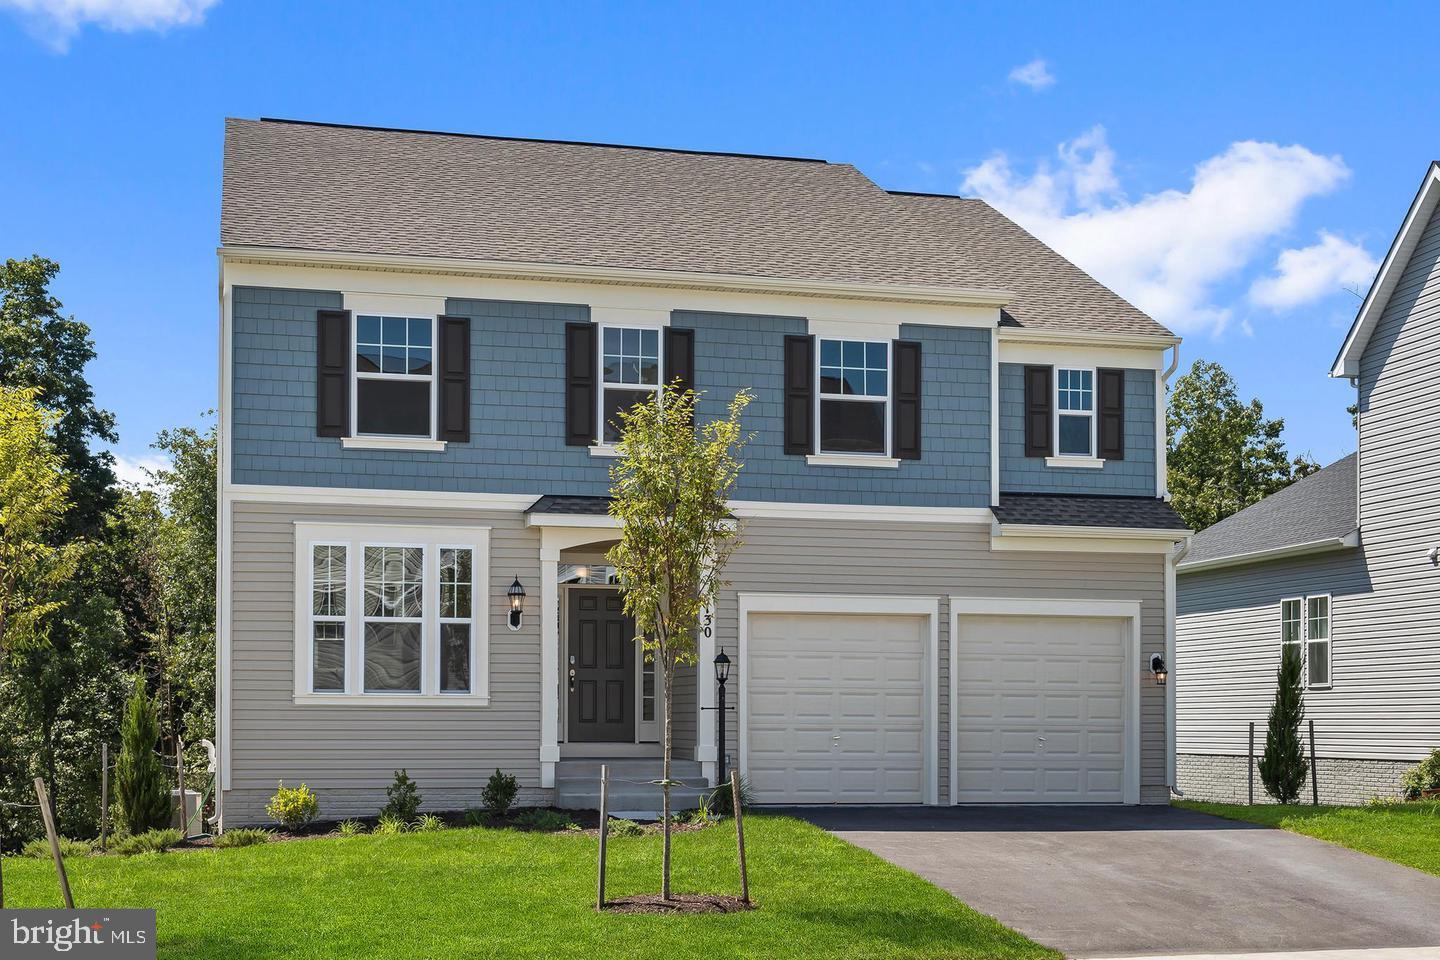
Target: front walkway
column 1118, row 881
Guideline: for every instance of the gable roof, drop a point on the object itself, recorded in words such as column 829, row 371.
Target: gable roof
column 1314, row 513
column 1422, row 208
column 386, row 192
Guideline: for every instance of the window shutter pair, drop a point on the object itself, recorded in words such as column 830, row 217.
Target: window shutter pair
column 582, row 364
column 1109, row 411
column 800, row 399
column 332, row 382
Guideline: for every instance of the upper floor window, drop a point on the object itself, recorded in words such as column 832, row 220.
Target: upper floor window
column 394, row 374
column 854, row 392
column 629, row 374
column 1305, row 627
column 1075, row 412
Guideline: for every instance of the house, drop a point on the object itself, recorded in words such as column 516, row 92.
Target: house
column 955, row 569
column 1342, row 564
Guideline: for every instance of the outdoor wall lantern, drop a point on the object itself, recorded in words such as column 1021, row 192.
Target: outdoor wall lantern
column 1157, row 667
column 516, row 593
column 722, row 673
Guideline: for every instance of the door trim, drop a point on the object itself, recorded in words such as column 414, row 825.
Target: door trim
column 1088, row 609
column 827, row 603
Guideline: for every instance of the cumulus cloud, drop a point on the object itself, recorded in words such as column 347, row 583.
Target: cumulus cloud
column 1305, row 274
column 56, row 22
column 1036, row 75
column 1166, row 252
column 137, row 469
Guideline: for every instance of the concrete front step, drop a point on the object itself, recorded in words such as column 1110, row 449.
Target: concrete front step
column 630, row 768
column 631, row 793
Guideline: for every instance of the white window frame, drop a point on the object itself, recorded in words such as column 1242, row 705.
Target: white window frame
column 356, row 375
column 1303, row 641
column 313, row 618
column 821, row 454
column 1094, row 403
column 601, row 384
column 355, row 537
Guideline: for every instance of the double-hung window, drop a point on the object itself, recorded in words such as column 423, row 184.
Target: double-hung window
column 391, row 613
column 1305, row 628
column 394, row 376
column 629, row 374
column 854, row 389
column 1075, row 412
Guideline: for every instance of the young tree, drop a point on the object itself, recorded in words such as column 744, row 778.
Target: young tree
column 1283, row 767
column 140, row 783
column 1223, row 454
column 670, row 490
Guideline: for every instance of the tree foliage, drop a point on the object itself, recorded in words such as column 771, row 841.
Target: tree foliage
column 140, row 782
column 1283, row 767
column 670, row 490
column 1223, row 454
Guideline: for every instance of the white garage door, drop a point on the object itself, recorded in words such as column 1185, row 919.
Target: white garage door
column 836, row 708
column 1041, row 707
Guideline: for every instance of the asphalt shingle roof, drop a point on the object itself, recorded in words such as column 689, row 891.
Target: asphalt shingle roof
column 373, row 191
column 572, row 505
column 1318, row 507
column 1087, row 510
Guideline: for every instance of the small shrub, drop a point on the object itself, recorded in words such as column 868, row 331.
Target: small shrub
column 151, row 841
column 499, row 794
column 293, row 807
column 39, row 848
column 625, row 828
column 428, row 823
column 1385, row 802
column 243, row 837
column 1422, row 777
column 352, row 828
column 402, row 798
column 391, row 825
column 722, row 800
column 475, row 817
column 542, row 819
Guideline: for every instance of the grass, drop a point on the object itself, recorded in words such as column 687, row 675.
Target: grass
column 1407, row 833
column 508, row 893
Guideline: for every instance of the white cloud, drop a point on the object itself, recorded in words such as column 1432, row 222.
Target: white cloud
column 133, row 469
column 56, row 22
column 1036, row 75
column 1306, row 274
column 1165, row 252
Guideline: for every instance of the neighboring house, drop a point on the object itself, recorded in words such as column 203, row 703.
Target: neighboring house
column 956, row 547
column 1342, row 564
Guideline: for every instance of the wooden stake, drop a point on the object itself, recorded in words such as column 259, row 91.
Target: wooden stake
column 180, row 778
column 740, row 834
column 1251, row 769
column 44, row 798
column 1314, row 777
column 104, row 794
column 604, row 832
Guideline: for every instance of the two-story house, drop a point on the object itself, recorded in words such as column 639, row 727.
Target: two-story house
column 1344, row 566
column 955, row 572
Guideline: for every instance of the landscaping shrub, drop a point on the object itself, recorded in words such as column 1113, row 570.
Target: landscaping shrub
column 402, row 798
column 1283, row 767
column 293, row 807
column 499, row 794
column 722, row 800
column 549, row 821
column 140, row 784
column 390, row 825
column 475, row 817
column 40, row 848
column 428, row 823
column 352, row 828
column 151, row 841
column 1422, row 777
column 243, row 837
column 625, row 828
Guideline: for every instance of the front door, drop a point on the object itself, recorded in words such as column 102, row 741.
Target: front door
column 601, row 669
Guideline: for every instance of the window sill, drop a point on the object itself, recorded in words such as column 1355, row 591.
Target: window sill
column 392, row 443
column 851, row 460
column 390, row 700
column 604, row 450
column 1083, row 463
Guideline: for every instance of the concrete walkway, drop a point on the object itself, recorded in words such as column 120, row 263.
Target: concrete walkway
column 1150, row 881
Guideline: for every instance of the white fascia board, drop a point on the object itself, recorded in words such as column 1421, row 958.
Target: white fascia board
column 1063, row 539
column 1124, row 341
column 356, row 496
column 1422, row 208
column 585, row 520
column 849, row 512
column 1328, row 544
column 1088, row 353
column 1092, row 533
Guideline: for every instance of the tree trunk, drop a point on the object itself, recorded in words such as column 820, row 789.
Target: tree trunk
column 665, row 787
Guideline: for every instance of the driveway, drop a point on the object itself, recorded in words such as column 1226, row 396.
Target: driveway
column 1117, row 881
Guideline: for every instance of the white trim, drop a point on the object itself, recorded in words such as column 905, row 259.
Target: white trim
column 1351, row 539
column 641, row 318
column 418, row 444
column 1081, row 356
column 851, row 460
column 1016, row 337
column 224, row 563
column 995, row 417
column 362, row 497
column 1071, row 462
column 849, row 512
column 829, row 329
column 1170, row 665
column 1105, row 609
column 823, row 603
column 1048, row 530
column 389, row 700
column 1162, row 431
column 1329, row 640
column 604, row 450
column 580, row 520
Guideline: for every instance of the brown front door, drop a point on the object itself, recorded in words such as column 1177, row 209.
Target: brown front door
column 601, row 669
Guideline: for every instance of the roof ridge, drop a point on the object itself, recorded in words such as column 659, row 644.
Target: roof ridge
column 925, row 193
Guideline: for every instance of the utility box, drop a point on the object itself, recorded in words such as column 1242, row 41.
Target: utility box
column 191, row 822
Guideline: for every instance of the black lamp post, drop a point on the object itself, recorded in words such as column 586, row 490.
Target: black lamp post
column 516, row 593
column 722, row 673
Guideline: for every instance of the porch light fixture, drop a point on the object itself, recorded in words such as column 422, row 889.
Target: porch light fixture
column 1157, row 667
column 722, row 667
column 516, row 593
column 722, row 673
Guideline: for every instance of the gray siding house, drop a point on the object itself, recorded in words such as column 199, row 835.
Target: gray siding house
column 957, row 553
column 1343, row 564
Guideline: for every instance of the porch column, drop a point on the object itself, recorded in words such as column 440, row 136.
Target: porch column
column 549, row 659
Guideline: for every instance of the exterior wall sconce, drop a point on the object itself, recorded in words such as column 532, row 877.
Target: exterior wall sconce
column 516, row 593
column 1157, row 667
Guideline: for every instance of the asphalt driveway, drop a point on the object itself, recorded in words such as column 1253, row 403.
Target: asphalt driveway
column 1117, row 881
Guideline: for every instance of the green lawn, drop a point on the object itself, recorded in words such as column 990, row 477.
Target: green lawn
column 1406, row 833
column 502, row 893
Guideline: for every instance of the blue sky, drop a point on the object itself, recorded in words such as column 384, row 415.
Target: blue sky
column 1230, row 168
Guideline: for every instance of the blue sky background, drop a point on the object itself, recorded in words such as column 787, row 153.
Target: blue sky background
column 110, row 155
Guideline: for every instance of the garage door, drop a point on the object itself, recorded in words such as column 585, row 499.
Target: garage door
column 1041, row 709
column 836, row 708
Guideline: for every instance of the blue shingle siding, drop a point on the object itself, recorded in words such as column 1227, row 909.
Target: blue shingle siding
column 1133, row 476
column 517, row 409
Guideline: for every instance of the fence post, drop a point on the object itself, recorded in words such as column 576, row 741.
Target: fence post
column 104, row 794
column 44, row 797
column 1314, row 777
column 740, row 834
column 604, row 832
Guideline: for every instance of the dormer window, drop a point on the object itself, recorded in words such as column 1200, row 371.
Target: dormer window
column 394, row 376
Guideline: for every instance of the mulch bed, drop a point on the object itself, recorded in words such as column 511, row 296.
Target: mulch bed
column 679, row 903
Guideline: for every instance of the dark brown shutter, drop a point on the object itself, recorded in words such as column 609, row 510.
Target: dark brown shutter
column 332, row 373
column 680, row 357
column 580, row 398
column 1038, row 419
column 906, row 427
column 453, row 368
column 1111, row 428
column 799, row 395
